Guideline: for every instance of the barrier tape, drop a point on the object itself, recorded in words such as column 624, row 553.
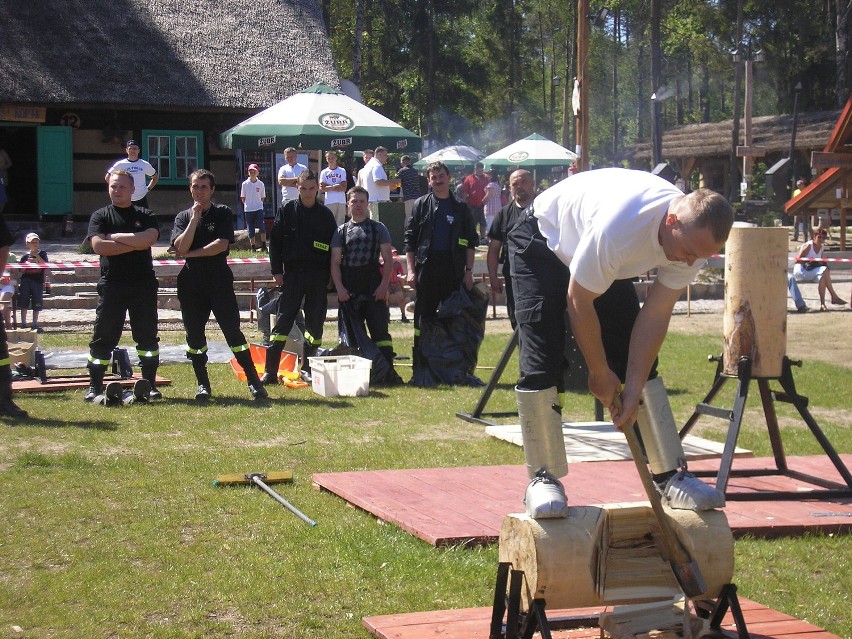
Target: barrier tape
column 265, row 260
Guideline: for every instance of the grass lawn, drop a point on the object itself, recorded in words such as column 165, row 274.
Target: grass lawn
column 110, row 526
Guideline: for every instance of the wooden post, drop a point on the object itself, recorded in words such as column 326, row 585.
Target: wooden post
column 755, row 322
column 607, row 554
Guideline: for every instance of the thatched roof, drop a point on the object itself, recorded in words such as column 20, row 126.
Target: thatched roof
column 772, row 132
column 172, row 53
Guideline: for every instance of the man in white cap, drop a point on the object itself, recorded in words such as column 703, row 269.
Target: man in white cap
column 139, row 169
column 253, row 195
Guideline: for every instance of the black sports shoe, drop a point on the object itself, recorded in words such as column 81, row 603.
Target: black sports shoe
column 9, row 409
column 202, row 393
column 258, row 392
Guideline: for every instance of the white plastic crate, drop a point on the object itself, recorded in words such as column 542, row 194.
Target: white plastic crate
column 346, row 376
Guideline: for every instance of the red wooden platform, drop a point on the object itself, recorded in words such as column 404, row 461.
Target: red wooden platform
column 70, row 382
column 473, row 623
column 467, row 505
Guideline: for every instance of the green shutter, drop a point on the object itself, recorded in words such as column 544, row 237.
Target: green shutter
column 55, row 170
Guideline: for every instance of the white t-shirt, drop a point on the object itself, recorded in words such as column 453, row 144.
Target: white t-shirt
column 375, row 171
column 604, row 225
column 287, row 171
column 333, row 177
column 138, row 169
column 253, row 192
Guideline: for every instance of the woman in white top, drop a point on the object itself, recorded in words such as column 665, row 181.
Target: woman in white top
column 806, row 270
column 493, row 199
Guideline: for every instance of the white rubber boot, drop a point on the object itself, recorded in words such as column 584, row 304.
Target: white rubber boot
column 544, row 452
column 683, row 491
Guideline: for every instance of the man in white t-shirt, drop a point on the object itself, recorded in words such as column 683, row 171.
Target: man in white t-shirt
column 360, row 176
column 333, row 182
column 578, row 247
column 253, row 195
column 288, row 176
column 376, row 181
column 139, row 169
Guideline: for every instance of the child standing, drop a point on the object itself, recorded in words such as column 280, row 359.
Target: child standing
column 32, row 281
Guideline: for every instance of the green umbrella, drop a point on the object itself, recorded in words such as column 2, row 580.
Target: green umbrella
column 533, row 152
column 457, row 155
column 320, row 117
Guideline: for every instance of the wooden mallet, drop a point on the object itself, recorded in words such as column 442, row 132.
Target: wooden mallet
column 261, row 480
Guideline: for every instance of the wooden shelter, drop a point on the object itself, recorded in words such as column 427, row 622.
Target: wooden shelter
column 707, row 147
column 830, row 189
column 77, row 79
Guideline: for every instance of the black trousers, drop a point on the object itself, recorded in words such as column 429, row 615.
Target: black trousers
column 307, row 286
column 201, row 293
column 436, row 280
column 540, row 283
column 116, row 301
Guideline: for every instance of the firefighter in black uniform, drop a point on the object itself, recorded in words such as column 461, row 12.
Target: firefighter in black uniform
column 7, row 406
column 440, row 247
column 123, row 234
column 300, row 260
column 201, row 235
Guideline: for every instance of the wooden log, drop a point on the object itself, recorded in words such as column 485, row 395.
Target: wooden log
column 755, row 321
column 608, row 555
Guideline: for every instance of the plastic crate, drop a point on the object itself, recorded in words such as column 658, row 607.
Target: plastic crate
column 344, row 376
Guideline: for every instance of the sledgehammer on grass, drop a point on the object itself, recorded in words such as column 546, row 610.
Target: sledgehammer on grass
column 261, row 480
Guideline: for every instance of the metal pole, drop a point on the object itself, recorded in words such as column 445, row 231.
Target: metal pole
column 260, row 484
column 747, row 159
column 582, row 133
column 796, row 91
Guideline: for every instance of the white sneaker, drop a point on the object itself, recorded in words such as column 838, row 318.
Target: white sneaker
column 684, row 491
column 545, row 497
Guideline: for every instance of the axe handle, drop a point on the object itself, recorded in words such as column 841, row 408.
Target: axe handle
column 685, row 569
column 262, row 485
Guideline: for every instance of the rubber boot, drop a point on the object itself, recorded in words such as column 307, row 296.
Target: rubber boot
column 149, row 372
column 308, row 352
column 273, row 359
column 8, row 408
column 393, row 378
column 199, row 366
column 544, row 452
column 96, row 381
column 255, row 387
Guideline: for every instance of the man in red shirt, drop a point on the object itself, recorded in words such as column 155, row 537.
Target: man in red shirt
column 474, row 191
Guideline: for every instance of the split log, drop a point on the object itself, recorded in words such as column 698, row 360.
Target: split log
column 608, row 554
column 755, row 322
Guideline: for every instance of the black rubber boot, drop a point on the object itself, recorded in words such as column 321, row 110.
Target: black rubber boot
column 96, row 381
column 254, row 385
column 149, row 372
column 308, row 351
column 393, row 377
column 199, row 365
column 273, row 359
column 8, row 408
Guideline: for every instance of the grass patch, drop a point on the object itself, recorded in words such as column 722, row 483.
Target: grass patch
column 111, row 526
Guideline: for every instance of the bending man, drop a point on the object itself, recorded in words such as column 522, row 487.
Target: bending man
column 577, row 247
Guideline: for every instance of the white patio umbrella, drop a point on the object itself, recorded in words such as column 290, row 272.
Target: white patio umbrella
column 456, row 155
column 320, row 117
column 533, row 152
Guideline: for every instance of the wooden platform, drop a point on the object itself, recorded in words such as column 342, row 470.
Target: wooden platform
column 71, row 382
column 445, row 506
column 473, row 623
column 602, row 441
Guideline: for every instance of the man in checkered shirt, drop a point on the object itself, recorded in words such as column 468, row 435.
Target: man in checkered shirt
column 357, row 274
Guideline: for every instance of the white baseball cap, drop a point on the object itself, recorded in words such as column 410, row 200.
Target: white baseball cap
column 33, row 236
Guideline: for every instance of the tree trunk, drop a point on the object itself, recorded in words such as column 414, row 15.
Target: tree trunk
column 733, row 171
column 842, row 51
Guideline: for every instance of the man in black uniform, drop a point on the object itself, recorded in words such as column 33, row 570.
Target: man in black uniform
column 440, row 246
column 522, row 188
column 300, row 260
column 7, row 406
column 202, row 235
column 123, row 234
column 360, row 281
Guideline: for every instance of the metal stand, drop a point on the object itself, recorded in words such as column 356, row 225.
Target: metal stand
column 478, row 413
column 789, row 394
column 524, row 624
